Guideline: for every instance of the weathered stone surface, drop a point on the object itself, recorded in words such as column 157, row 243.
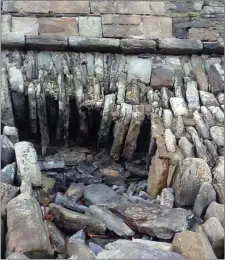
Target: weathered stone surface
column 218, row 179
column 31, row 7
column 6, row 21
column 162, row 76
column 203, row 34
column 193, row 245
column 73, row 221
column 217, row 113
column 208, row 99
column 75, row 190
column 126, row 249
column 90, row 27
column 220, row 98
column 13, row 40
column 137, row 46
column 68, row 7
column 217, row 135
column 180, row 46
column 205, row 196
column 215, row 79
column 201, row 79
column 122, row 31
column 111, row 221
column 202, row 128
column 167, row 118
column 167, row 197
column 186, row 147
column 189, row 175
column 26, row 25
column 137, row 119
column 178, row 127
column 192, row 96
column 207, row 116
column 57, row 238
column 132, row 95
column 165, row 96
column 178, row 106
column 47, row 42
column 67, row 26
column 215, row 210
column 8, row 173
column 93, row 44
column 215, row 233
column 8, row 192
column 138, row 69
column 95, row 248
column 178, row 83
column 12, row 133
column 155, row 244
column 123, row 7
column 28, row 167
column 77, row 249
column 154, row 220
column 157, row 27
column 18, row 256
column 170, row 141
column 32, row 240
column 121, row 19
column 100, row 194
column 105, row 7
column 7, row 151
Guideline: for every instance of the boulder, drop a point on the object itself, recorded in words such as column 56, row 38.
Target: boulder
column 100, row 194
column 111, row 221
column 189, row 175
column 205, row 196
column 193, row 245
column 208, row 99
column 27, row 164
column 7, row 151
column 218, row 179
column 73, row 221
column 215, row 233
column 187, row 148
column 154, row 219
column 179, row 107
column 215, row 210
column 8, row 192
column 126, row 249
column 31, row 239
column 12, row 133
column 8, row 173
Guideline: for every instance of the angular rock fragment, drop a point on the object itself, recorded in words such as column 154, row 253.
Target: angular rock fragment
column 178, row 106
column 8, row 192
column 154, row 219
column 106, row 119
column 7, row 151
column 137, row 119
column 8, row 174
column 217, row 135
column 218, row 180
column 167, row 197
column 193, row 245
column 111, row 221
column 57, row 238
column 189, row 175
column 205, row 196
column 120, row 130
column 32, row 240
column 12, row 133
column 73, row 221
column 28, row 167
column 100, row 194
column 192, row 96
column 186, row 147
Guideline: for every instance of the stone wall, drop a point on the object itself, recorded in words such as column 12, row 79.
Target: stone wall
column 67, row 24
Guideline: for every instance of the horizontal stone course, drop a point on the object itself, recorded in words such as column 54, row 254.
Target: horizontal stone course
column 121, row 19
column 123, row 31
column 26, row 25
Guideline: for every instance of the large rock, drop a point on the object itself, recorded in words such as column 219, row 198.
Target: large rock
column 217, row 114
column 217, row 135
column 218, row 179
column 12, row 133
column 126, row 249
column 179, row 106
column 208, row 99
column 215, row 233
column 189, row 175
column 192, row 96
column 154, row 219
column 205, row 196
column 111, row 221
column 31, row 239
column 8, row 192
column 100, row 194
column 215, row 210
column 28, row 167
column 170, row 141
column 73, row 221
column 201, row 127
column 193, row 245
column 7, row 151
column 8, row 173
column 186, row 147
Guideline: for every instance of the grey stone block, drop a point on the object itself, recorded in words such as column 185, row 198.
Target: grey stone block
column 137, row 46
column 13, row 40
column 93, row 44
column 47, row 42
column 180, row 46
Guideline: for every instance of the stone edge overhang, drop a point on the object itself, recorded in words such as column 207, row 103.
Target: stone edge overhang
column 167, row 46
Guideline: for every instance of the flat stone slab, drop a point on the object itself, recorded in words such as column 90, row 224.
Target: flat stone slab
column 12, row 40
